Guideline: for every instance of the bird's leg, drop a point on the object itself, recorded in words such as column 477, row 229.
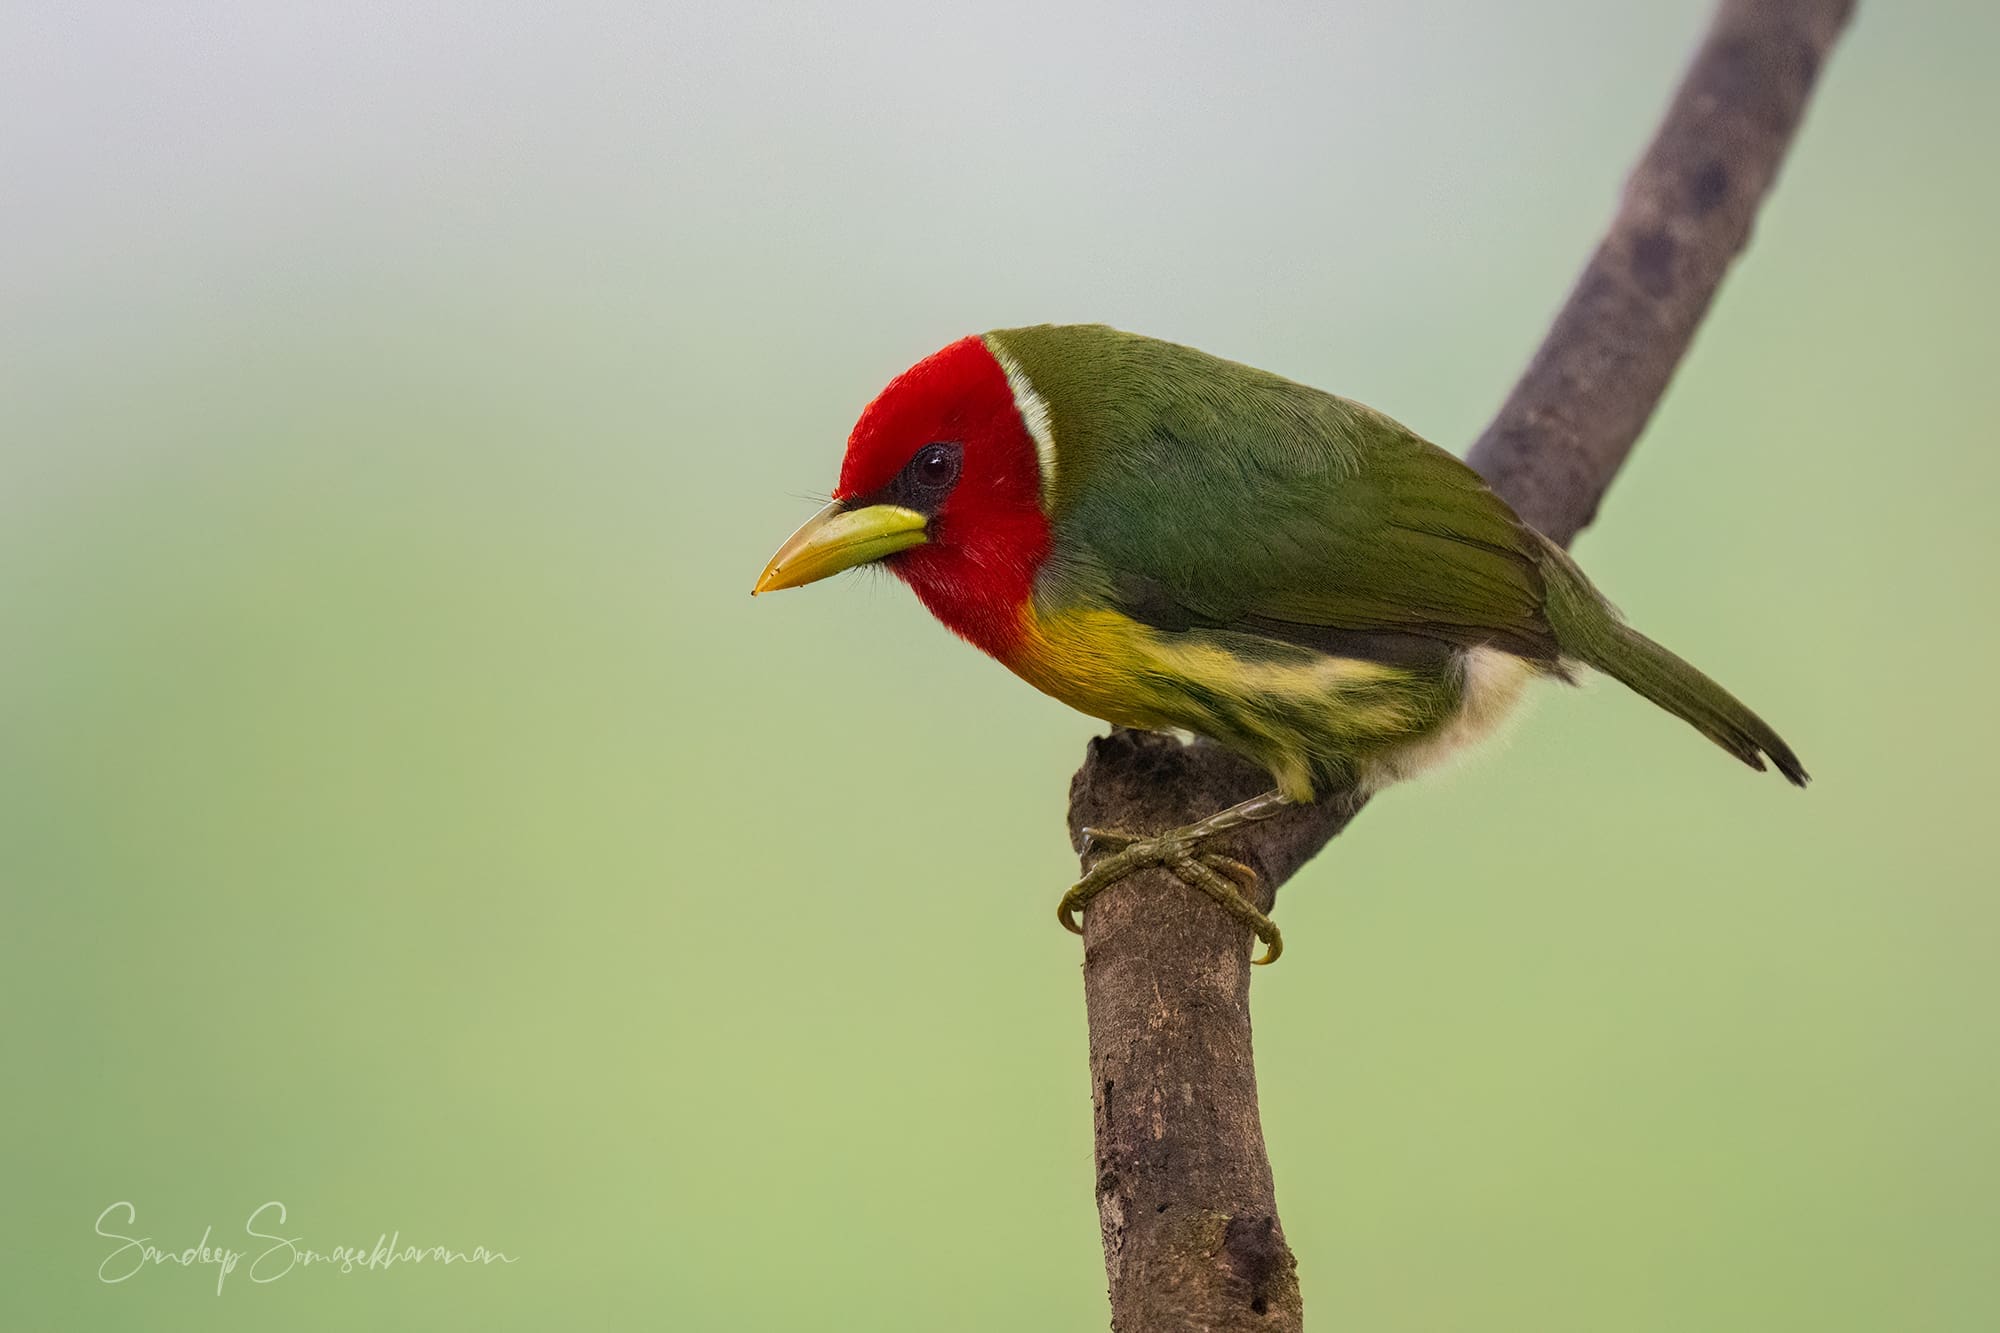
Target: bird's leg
column 1180, row 850
column 1222, row 821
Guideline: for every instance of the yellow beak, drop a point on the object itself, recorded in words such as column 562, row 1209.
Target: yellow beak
column 838, row 538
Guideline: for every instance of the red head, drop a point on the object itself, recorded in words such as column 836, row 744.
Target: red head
column 943, row 483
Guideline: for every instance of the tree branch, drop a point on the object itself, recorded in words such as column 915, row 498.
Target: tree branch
column 1185, row 1199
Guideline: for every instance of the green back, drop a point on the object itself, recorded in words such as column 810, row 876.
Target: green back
column 1191, row 491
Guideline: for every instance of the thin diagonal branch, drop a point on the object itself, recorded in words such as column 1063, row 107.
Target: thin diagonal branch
column 1185, row 1198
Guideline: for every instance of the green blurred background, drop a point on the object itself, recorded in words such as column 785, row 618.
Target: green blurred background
column 406, row 815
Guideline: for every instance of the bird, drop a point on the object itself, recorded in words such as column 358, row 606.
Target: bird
column 1171, row 541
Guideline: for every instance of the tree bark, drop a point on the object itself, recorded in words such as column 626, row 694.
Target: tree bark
column 1192, row 1239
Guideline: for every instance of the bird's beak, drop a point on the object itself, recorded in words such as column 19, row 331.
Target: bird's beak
column 838, row 538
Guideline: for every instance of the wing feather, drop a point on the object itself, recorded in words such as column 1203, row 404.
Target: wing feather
column 1197, row 492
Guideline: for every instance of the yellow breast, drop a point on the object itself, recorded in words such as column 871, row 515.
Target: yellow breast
column 1291, row 710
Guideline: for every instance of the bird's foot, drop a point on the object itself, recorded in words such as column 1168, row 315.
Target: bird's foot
column 1179, row 851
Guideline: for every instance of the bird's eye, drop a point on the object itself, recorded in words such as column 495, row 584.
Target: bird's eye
column 936, row 466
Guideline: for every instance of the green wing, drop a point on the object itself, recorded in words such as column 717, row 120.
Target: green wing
column 1194, row 491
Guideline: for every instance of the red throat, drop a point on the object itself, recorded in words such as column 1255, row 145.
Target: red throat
column 989, row 537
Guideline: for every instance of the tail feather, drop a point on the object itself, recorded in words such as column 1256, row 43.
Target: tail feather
column 1589, row 630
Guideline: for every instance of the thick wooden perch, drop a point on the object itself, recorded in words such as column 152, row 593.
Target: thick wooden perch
column 1190, row 1223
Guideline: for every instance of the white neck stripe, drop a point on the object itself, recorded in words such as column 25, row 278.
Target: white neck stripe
column 1034, row 415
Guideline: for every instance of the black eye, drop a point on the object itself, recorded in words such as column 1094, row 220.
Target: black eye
column 935, row 467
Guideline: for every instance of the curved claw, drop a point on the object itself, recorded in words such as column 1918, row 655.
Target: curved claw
column 1198, row 873
column 1246, row 879
column 1101, row 877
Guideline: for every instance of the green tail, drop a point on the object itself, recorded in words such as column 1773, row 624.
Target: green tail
column 1589, row 630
